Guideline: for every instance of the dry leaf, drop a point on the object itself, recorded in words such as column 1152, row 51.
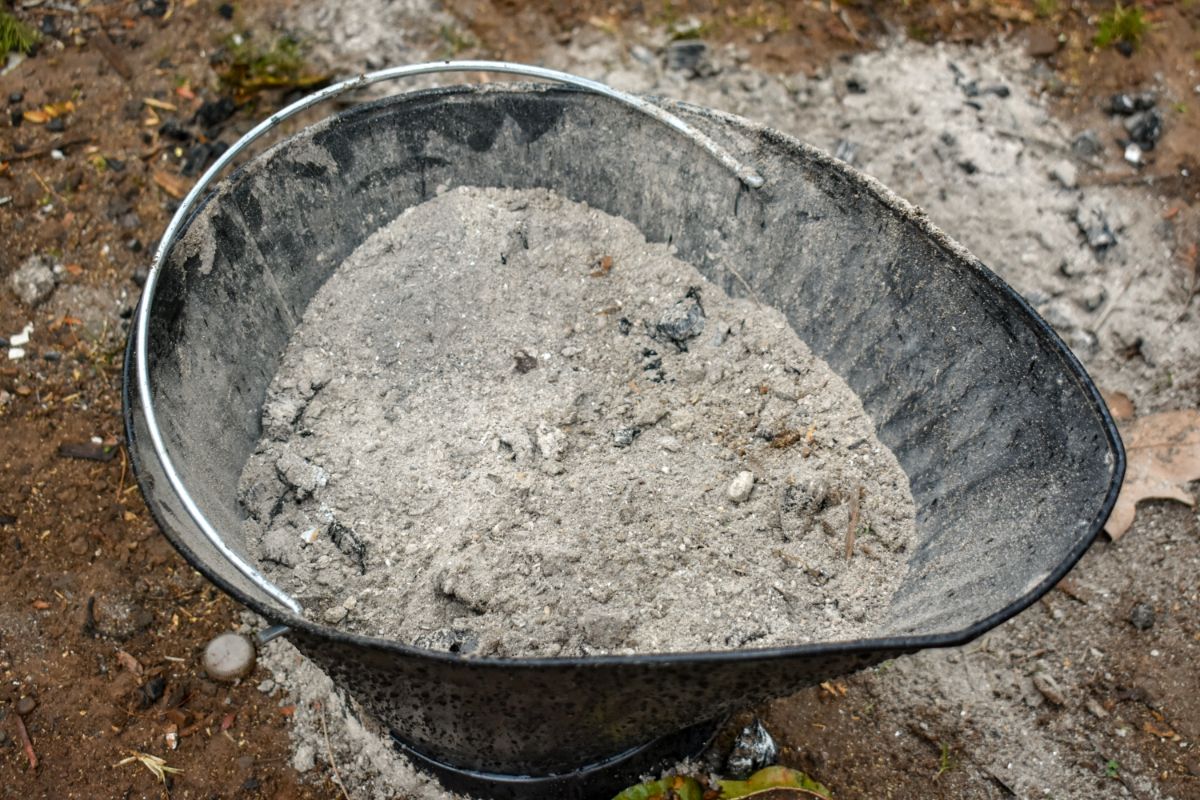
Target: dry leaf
column 53, row 110
column 1163, row 454
column 36, row 116
column 1162, row 733
column 1119, row 404
column 174, row 185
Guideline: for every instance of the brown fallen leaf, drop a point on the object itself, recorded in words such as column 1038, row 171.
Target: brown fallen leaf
column 601, row 267
column 1163, row 453
column 1119, row 404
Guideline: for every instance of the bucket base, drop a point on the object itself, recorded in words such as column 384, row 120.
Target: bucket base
column 599, row 781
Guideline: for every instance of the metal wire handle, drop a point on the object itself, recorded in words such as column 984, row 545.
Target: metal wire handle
column 747, row 174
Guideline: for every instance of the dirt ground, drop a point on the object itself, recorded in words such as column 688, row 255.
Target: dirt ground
column 101, row 623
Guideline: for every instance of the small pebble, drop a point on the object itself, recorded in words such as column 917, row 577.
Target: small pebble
column 623, row 437
column 742, row 486
column 228, row 657
column 26, row 705
column 753, row 749
column 1065, row 173
column 334, row 614
column 1142, row 616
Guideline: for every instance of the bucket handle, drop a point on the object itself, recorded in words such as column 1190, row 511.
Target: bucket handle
column 745, row 173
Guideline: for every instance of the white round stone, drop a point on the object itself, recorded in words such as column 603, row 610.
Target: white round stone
column 228, row 657
column 742, row 486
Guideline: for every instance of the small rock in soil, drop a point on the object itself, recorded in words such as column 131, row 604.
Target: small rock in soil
column 1122, row 104
column 689, row 56
column 623, row 437
column 1133, row 153
column 1094, row 224
column 1145, row 128
column 753, row 749
column 15, row 98
column 741, row 487
column 26, row 705
column 1065, row 173
column 34, row 281
column 228, row 657
column 152, row 691
column 1142, row 616
column 213, row 112
column 153, row 8
column 1126, row 104
column 1094, row 298
column 682, row 321
column 447, row 640
column 1041, row 44
column 1087, row 144
column 845, row 150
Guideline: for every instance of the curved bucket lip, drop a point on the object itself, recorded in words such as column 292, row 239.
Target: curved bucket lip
column 893, row 644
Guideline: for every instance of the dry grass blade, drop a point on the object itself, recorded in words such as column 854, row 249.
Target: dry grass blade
column 852, row 528
column 156, row 765
column 329, row 751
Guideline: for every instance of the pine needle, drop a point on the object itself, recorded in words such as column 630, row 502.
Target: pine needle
column 155, row 764
column 15, row 36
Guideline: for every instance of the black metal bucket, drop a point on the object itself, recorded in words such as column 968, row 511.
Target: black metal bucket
column 1013, row 459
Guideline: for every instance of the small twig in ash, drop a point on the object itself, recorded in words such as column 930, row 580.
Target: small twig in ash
column 744, row 282
column 855, row 502
column 26, row 742
column 845, row 18
column 1112, row 304
column 337, row 776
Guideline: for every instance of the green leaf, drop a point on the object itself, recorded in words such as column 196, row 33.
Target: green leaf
column 774, row 779
column 676, row 787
